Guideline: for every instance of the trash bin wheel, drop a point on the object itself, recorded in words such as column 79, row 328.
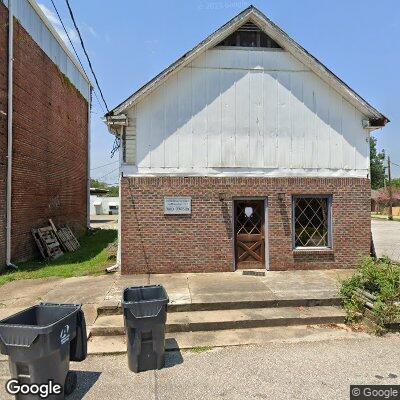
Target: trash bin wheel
column 70, row 383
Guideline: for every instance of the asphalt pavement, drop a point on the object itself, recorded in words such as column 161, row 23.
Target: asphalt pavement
column 304, row 371
column 386, row 236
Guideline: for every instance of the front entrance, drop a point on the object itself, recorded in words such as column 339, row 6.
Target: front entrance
column 249, row 219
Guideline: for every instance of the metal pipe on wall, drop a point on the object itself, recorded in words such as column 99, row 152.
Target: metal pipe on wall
column 88, row 160
column 9, row 130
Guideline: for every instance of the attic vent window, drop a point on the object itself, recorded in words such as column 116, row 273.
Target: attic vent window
column 249, row 35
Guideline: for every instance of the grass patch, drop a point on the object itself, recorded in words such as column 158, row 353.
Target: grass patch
column 200, row 349
column 381, row 278
column 90, row 259
column 382, row 217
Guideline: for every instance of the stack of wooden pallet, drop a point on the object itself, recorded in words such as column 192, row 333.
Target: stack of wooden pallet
column 53, row 242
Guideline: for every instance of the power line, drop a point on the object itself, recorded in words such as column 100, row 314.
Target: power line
column 108, row 173
column 86, row 54
column 73, row 48
column 105, row 165
column 397, row 165
column 116, row 146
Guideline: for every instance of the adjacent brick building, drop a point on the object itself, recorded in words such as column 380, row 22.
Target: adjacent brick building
column 245, row 153
column 3, row 126
column 51, row 96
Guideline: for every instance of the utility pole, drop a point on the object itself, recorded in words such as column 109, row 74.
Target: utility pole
column 390, row 217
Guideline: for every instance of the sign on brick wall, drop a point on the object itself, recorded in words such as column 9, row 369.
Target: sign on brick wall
column 177, row 205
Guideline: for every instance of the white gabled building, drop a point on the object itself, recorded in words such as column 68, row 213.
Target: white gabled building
column 245, row 152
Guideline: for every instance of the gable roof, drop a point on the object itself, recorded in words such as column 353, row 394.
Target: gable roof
column 251, row 13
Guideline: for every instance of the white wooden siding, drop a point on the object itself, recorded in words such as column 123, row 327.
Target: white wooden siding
column 130, row 138
column 245, row 111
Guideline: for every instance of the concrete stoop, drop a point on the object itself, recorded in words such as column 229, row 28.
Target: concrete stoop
column 228, row 324
column 115, row 308
column 107, row 345
column 193, row 321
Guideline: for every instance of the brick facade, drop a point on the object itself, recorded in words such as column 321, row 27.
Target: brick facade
column 50, row 123
column 203, row 241
column 3, row 125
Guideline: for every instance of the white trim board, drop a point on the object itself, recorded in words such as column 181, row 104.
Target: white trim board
column 132, row 170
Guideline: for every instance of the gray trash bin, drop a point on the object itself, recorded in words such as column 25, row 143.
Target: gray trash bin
column 40, row 342
column 145, row 314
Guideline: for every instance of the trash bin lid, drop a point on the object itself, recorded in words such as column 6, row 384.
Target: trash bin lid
column 144, row 301
column 22, row 329
column 144, row 294
column 41, row 316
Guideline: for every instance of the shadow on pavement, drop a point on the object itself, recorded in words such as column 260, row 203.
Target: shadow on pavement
column 173, row 358
column 86, row 380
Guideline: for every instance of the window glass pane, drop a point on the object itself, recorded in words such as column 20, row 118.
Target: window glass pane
column 311, row 221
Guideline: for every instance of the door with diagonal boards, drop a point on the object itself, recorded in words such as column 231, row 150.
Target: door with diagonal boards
column 249, row 217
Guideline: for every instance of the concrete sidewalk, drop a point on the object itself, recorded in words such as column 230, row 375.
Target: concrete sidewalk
column 191, row 288
column 183, row 289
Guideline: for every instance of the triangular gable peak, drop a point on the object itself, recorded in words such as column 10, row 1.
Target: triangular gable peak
column 275, row 36
column 249, row 35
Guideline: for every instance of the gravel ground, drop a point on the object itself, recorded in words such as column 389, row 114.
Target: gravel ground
column 316, row 370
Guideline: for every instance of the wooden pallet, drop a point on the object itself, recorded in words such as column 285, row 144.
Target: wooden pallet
column 39, row 244
column 66, row 238
column 50, row 242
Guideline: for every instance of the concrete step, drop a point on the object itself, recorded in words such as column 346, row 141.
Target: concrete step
column 111, row 325
column 202, row 341
column 115, row 308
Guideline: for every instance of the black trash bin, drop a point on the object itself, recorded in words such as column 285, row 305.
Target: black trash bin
column 40, row 342
column 145, row 314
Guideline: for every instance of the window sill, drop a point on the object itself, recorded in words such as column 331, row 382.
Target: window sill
column 319, row 250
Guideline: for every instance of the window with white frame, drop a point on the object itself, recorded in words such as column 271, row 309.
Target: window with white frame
column 312, row 225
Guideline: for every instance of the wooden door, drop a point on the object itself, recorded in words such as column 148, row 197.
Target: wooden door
column 249, row 220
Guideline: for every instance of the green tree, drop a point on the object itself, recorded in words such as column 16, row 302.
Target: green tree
column 396, row 182
column 377, row 160
column 113, row 191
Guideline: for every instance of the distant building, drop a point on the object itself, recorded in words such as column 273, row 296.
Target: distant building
column 98, row 191
column 247, row 152
column 103, row 205
column 44, row 120
column 380, row 199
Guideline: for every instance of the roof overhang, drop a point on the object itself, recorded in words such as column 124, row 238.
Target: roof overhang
column 375, row 118
column 115, row 123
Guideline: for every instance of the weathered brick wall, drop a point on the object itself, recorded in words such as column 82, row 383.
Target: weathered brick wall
column 50, row 123
column 3, row 126
column 202, row 241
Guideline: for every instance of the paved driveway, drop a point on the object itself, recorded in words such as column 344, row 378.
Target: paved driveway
column 386, row 236
column 104, row 221
column 296, row 371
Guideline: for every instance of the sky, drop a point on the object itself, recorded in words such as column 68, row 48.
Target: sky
column 131, row 41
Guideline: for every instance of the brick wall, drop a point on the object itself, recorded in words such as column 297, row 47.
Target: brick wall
column 3, row 126
column 202, row 241
column 50, row 123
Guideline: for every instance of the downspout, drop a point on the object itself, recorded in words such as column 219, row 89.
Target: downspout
column 9, row 132
column 88, row 160
column 121, row 160
column 117, row 265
